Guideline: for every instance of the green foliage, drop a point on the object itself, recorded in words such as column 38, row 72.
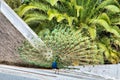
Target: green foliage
column 91, row 17
column 35, row 14
column 13, row 3
column 113, row 8
column 73, row 12
column 106, row 26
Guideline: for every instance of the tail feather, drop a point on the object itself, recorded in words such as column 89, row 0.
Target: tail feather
column 71, row 46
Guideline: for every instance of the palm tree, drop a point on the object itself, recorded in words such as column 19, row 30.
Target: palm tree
column 99, row 19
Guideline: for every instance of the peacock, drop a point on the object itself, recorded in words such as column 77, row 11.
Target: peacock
column 69, row 47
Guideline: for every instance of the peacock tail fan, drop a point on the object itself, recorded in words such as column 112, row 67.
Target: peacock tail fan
column 72, row 47
column 69, row 48
column 33, row 56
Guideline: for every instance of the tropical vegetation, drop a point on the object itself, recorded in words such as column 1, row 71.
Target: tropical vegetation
column 97, row 19
column 14, row 3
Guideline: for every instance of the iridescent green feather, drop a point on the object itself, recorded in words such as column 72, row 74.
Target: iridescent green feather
column 68, row 46
column 72, row 47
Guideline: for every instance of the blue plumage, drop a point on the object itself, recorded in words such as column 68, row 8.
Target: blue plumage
column 54, row 65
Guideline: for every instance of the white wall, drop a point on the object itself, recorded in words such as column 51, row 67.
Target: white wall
column 109, row 72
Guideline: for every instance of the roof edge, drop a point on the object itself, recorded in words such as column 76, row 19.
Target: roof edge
column 19, row 24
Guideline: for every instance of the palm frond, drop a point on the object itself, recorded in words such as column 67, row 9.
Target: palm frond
column 112, row 8
column 105, row 17
column 107, row 27
column 92, row 31
column 105, row 3
column 13, row 3
column 40, row 5
column 24, row 9
column 34, row 17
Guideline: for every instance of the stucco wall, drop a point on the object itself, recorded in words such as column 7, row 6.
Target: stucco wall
column 10, row 40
